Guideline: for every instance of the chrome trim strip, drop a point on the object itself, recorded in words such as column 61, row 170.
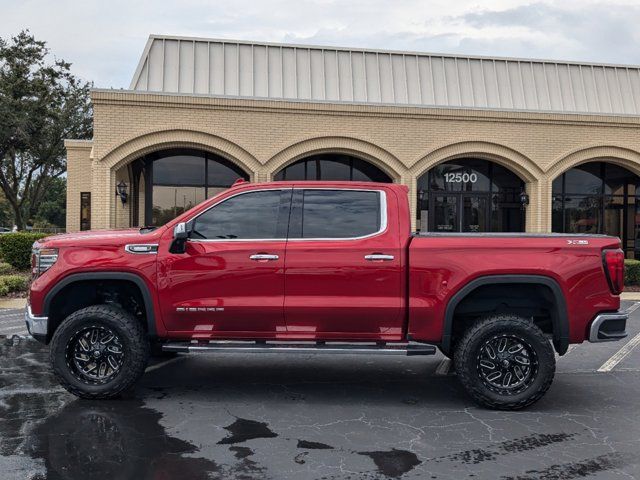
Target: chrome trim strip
column 263, row 256
column 152, row 248
column 36, row 325
column 599, row 320
column 379, row 257
column 383, row 218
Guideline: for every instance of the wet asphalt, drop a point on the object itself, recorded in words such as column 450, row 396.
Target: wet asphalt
column 231, row 416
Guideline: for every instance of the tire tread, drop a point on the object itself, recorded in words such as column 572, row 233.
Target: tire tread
column 546, row 366
column 138, row 354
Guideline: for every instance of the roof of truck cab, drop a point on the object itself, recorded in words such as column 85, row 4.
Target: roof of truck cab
column 322, row 184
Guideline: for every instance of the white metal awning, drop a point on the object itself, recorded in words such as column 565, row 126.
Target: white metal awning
column 198, row 66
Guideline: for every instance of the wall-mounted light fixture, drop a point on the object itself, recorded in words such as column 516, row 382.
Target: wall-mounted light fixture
column 524, row 199
column 121, row 191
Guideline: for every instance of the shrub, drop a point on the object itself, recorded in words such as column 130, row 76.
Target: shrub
column 5, row 268
column 632, row 272
column 15, row 248
column 12, row 283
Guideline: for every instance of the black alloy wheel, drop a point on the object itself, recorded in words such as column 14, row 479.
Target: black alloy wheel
column 95, row 354
column 507, row 364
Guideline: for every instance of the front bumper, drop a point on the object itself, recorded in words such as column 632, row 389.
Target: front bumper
column 608, row 327
column 37, row 326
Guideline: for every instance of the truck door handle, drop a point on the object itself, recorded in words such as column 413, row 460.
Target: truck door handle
column 379, row 257
column 264, row 257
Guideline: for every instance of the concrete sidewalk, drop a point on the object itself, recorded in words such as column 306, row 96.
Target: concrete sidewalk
column 630, row 296
column 13, row 302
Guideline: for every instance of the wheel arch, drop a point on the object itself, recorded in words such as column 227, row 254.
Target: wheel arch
column 560, row 321
column 78, row 278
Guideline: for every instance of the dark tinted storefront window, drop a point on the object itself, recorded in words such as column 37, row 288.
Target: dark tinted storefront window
column 85, row 211
column 334, row 167
column 183, row 178
column 470, row 195
column 176, row 180
column 598, row 197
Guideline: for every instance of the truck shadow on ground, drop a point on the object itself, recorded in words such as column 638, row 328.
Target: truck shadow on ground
column 378, row 381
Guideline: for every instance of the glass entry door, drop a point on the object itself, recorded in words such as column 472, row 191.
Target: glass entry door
column 446, row 217
column 475, row 214
column 460, row 213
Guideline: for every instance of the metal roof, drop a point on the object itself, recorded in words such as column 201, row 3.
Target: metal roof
column 200, row 66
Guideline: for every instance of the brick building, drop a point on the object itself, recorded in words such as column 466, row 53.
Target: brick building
column 484, row 144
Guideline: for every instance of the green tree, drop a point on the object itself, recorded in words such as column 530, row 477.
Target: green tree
column 52, row 210
column 41, row 104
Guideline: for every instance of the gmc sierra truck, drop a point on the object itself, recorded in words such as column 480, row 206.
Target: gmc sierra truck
column 328, row 268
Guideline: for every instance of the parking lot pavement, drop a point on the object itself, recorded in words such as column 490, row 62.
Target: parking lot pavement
column 303, row 417
column 12, row 322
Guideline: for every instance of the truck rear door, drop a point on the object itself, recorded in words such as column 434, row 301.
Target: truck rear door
column 343, row 269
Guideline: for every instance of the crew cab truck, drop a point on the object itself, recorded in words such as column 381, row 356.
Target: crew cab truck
column 322, row 267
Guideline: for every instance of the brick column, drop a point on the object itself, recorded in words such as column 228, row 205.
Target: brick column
column 78, row 178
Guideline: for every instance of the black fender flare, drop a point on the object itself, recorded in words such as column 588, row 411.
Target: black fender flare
column 92, row 276
column 560, row 320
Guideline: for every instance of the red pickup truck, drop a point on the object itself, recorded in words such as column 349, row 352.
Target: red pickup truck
column 322, row 267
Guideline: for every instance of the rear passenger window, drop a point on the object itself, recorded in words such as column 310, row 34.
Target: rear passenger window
column 339, row 214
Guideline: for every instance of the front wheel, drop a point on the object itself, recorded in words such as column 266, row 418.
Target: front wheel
column 99, row 352
column 505, row 362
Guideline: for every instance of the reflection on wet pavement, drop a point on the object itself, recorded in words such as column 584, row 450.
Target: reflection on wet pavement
column 228, row 417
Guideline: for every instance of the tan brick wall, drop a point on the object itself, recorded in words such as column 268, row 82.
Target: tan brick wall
column 79, row 179
column 262, row 136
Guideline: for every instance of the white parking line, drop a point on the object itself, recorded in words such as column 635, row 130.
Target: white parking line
column 633, row 307
column 16, row 327
column 443, row 367
column 162, row 364
column 620, row 355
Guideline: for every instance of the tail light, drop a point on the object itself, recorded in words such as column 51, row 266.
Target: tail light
column 42, row 259
column 613, row 261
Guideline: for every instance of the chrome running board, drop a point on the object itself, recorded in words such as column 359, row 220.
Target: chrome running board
column 406, row 349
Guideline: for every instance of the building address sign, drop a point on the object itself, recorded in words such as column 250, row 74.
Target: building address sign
column 461, row 177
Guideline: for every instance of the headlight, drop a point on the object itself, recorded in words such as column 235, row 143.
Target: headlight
column 42, row 259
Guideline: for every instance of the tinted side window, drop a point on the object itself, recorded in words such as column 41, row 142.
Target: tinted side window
column 339, row 214
column 246, row 216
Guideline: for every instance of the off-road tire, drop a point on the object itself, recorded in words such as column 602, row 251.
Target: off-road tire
column 467, row 358
column 135, row 347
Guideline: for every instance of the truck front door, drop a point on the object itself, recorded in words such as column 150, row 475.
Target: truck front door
column 344, row 271
column 230, row 279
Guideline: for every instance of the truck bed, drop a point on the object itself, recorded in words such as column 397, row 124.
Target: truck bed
column 444, row 264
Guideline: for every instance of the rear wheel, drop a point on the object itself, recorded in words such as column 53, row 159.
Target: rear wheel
column 505, row 362
column 99, row 352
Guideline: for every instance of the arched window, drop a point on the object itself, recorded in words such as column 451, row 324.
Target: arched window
column 470, row 195
column 598, row 197
column 331, row 166
column 178, row 179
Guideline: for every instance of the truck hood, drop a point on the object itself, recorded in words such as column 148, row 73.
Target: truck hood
column 101, row 238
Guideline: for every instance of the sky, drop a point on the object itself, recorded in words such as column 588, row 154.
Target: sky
column 104, row 39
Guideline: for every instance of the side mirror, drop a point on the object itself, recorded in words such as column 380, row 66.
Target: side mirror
column 180, row 231
column 180, row 237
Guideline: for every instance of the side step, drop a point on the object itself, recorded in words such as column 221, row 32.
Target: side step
column 407, row 349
